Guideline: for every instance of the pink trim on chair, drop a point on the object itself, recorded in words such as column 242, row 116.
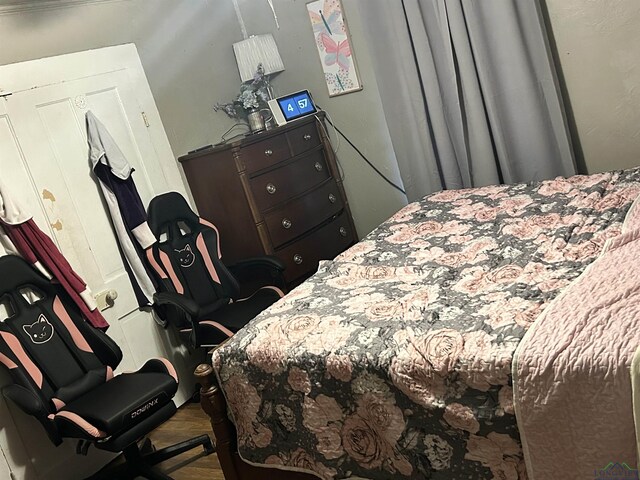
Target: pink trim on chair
column 207, row 258
column 109, row 374
column 31, row 368
column 82, row 423
column 164, row 258
column 268, row 287
column 59, row 404
column 211, row 225
column 275, row 289
column 170, row 370
column 7, row 362
column 154, row 264
column 77, row 337
column 222, row 328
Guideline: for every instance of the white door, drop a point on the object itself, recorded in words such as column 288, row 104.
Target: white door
column 43, row 155
column 5, row 471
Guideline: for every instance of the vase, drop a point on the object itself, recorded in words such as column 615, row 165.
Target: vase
column 256, row 122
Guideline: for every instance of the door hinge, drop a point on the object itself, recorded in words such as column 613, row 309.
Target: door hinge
column 146, row 120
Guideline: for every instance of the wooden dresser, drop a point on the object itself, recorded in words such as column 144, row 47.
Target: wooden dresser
column 276, row 193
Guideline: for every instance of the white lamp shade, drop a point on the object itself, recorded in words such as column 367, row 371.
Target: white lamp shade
column 255, row 50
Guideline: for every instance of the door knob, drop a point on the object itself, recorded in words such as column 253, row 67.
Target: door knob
column 106, row 299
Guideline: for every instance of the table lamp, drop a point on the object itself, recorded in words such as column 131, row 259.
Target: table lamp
column 255, row 50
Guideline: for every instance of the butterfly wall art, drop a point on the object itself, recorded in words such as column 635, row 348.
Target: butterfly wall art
column 334, row 46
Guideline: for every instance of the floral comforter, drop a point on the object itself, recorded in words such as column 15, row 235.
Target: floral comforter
column 394, row 360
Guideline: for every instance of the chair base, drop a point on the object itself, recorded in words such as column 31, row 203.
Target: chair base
column 141, row 462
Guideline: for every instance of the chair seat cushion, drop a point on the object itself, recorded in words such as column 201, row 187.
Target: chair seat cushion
column 121, row 402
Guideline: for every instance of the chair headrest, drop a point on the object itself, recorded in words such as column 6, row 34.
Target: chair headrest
column 169, row 208
column 15, row 272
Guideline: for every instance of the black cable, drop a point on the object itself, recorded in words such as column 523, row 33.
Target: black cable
column 223, row 137
column 335, row 150
column 365, row 158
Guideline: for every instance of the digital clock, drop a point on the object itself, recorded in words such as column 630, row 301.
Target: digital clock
column 291, row 107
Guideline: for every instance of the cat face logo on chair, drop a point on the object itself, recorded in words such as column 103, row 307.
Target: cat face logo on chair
column 40, row 331
column 186, row 256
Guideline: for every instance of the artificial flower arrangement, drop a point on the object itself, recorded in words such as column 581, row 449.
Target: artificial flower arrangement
column 253, row 96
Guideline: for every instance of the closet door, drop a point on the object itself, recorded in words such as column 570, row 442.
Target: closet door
column 49, row 166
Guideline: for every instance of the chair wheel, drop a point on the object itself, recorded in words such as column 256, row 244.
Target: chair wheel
column 195, row 398
column 208, row 447
column 147, row 446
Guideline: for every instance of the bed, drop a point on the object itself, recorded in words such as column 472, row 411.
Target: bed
column 395, row 359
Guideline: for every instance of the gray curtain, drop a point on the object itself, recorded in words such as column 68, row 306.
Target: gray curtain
column 469, row 91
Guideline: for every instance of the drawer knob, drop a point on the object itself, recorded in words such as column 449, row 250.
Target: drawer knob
column 307, row 137
column 297, row 259
column 268, row 152
column 286, row 223
column 343, row 231
column 271, row 188
column 332, row 198
column 318, row 166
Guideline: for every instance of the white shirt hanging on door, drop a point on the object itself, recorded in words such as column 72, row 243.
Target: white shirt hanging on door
column 105, row 155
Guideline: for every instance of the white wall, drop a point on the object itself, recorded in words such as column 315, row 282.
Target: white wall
column 598, row 44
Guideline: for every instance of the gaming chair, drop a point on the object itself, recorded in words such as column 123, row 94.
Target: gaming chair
column 62, row 374
column 202, row 296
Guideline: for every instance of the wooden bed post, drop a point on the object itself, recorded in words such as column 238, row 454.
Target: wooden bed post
column 214, row 405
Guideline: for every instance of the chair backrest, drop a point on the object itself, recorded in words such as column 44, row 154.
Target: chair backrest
column 187, row 256
column 45, row 343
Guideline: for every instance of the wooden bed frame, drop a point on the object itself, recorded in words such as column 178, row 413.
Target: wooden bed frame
column 233, row 467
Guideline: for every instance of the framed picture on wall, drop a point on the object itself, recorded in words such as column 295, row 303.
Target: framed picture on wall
column 334, row 46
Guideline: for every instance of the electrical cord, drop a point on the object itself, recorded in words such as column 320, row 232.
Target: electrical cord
column 224, row 135
column 335, row 150
column 382, row 175
column 335, row 132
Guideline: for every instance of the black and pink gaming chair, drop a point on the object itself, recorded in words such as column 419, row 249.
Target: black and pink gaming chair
column 62, row 373
column 205, row 299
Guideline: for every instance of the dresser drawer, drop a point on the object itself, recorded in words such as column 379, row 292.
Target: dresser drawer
column 277, row 186
column 265, row 153
column 304, row 138
column 304, row 213
column 303, row 256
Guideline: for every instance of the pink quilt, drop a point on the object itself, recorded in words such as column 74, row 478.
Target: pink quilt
column 572, row 382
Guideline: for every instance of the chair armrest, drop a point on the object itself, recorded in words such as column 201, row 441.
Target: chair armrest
column 255, row 272
column 31, row 404
column 268, row 261
column 185, row 304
